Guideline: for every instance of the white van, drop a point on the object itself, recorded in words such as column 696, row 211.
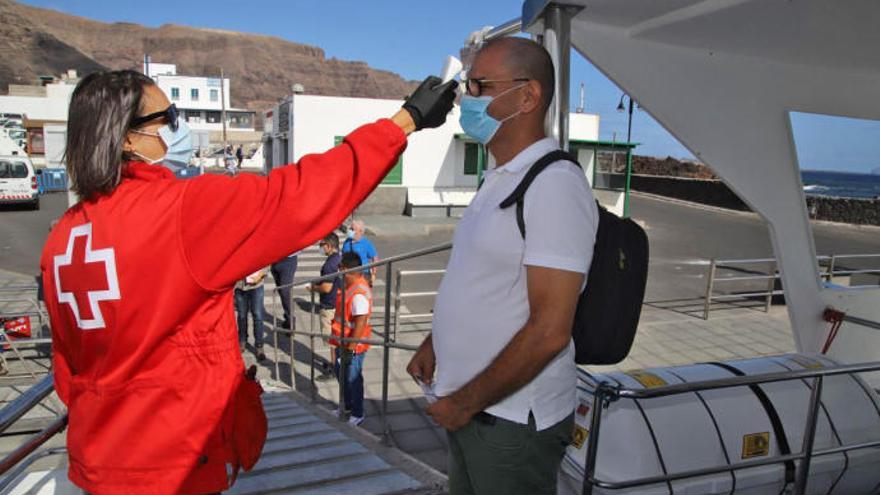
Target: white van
column 18, row 182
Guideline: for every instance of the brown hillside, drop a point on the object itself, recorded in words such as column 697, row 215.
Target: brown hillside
column 27, row 52
column 262, row 68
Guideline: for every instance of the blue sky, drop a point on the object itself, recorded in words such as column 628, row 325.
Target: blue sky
column 412, row 39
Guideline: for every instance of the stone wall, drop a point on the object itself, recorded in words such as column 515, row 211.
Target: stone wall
column 705, row 191
column 716, row 193
column 846, row 210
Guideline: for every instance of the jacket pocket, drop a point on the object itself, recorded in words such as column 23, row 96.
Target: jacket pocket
column 249, row 423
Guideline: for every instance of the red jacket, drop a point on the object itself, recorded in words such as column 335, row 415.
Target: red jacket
column 138, row 285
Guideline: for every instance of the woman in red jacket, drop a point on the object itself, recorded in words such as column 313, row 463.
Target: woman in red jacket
column 139, row 277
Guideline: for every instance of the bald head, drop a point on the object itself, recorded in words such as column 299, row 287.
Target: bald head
column 523, row 57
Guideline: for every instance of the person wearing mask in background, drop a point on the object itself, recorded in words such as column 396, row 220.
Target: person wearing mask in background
column 138, row 281
column 501, row 335
column 357, row 242
column 352, row 322
column 249, row 299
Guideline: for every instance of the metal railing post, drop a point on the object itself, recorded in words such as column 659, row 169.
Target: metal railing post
column 397, row 304
column 386, row 432
column 275, row 335
column 593, row 439
column 771, row 286
column 803, row 471
column 311, row 346
column 831, row 263
column 710, row 284
column 341, row 354
column 291, row 319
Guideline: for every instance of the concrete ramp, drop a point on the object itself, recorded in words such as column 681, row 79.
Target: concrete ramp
column 307, row 451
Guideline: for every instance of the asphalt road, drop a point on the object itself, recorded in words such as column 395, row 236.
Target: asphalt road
column 683, row 239
column 23, row 232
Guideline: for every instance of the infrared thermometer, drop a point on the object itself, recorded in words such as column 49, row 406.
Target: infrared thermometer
column 451, row 68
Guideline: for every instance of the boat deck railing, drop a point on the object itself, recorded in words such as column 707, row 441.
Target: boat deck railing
column 606, row 393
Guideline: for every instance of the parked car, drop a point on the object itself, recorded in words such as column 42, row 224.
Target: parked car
column 18, row 182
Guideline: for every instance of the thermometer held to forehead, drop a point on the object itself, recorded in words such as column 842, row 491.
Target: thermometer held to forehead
column 451, row 68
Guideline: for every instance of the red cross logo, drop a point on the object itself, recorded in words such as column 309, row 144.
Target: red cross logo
column 84, row 277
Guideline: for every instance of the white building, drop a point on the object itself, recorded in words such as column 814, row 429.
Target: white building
column 440, row 169
column 201, row 100
column 44, row 111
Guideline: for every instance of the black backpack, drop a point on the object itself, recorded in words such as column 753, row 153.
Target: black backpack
column 608, row 310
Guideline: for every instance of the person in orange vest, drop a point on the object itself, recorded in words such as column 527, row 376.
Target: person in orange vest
column 355, row 317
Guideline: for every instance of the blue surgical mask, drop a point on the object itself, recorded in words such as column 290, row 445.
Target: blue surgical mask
column 475, row 119
column 178, row 146
column 349, row 234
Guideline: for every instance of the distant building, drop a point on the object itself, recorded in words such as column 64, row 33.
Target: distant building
column 43, row 107
column 199, row 99
column 440, row 169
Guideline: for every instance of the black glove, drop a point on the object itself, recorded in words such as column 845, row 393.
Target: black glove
column 430, row 102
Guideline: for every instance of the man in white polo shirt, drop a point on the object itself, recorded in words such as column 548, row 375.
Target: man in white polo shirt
column 501, row 339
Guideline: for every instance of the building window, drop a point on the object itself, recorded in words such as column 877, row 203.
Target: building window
column 175, row 94
column 215, row 96
column 213, row 117
column 194, row 116
column 194, row 94
column 471, row 158
column 36, row 144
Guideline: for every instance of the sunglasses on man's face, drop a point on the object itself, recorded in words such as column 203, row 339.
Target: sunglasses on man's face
column 475, row 87
column 170, row 115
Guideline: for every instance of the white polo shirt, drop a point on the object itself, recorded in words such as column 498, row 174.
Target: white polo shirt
column 483, row 298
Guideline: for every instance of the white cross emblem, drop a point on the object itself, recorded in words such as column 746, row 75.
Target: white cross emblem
column 82, row 291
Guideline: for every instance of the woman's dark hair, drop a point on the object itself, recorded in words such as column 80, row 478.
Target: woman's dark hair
column 101, row 109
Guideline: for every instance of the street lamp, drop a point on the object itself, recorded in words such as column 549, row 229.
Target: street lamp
column 629, row 122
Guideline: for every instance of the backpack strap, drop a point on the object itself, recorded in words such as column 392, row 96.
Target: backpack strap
column 518, row 195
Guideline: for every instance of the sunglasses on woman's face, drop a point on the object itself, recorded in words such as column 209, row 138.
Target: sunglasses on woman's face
column 170, row 114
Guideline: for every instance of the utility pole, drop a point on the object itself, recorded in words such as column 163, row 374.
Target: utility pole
column 223, row 111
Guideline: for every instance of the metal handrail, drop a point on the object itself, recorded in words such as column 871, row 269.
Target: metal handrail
column 27, row 448
column 26, row 401
column 828, row 272
column 386, row 343
column 606, row 393
column 385, row 262
column 20, row 468
column 861, row 321
column 400, row 295
column 19, row 288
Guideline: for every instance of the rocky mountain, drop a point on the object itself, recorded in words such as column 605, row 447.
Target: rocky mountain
column 35, row 41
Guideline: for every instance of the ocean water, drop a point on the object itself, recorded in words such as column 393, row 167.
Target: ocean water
column 841, row 184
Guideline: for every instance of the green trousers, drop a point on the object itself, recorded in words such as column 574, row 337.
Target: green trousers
column 506, row 457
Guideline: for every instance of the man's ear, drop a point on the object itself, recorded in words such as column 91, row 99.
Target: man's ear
column 531, row 96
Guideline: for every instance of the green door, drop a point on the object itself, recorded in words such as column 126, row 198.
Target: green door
column 394, row 177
